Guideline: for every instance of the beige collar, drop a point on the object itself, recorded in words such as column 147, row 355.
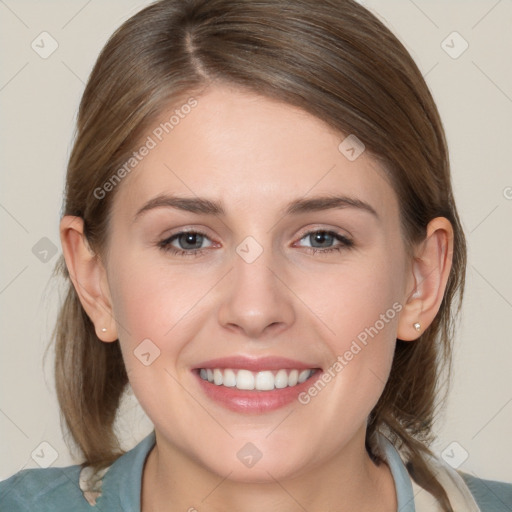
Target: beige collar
column 458, row 493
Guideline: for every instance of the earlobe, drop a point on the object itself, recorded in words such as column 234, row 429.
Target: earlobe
column 429, row 274
column 88, row 277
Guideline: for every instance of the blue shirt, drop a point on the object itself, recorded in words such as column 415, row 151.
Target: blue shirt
column 58, row 489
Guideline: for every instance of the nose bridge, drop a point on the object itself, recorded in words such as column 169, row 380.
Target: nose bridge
column 255, row 297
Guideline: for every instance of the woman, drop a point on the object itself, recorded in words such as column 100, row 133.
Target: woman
column 261, row 239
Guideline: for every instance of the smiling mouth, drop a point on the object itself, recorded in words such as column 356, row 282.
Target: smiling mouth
column 256, row 381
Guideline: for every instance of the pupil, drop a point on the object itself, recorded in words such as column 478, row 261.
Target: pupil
column 194, row 239
column 322, row 237
column 191, row 238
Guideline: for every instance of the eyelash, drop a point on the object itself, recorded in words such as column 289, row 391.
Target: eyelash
column 165, row 246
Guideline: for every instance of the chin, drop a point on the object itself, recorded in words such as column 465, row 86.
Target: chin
column 251, row 466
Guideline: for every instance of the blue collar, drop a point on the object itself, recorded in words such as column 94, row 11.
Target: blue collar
column 125, row 478
column 403, row 485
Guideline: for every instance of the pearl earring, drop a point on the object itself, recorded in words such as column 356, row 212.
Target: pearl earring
column 104, row 329
column 417, row 326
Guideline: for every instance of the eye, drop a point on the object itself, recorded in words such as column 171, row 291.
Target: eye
column 322, row 240
column 189, row 243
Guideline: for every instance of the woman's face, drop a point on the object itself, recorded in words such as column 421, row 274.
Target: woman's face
column 284, row 278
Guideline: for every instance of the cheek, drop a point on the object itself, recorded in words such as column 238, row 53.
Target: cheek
column 359, row 306
column 150, row 299
column 356, row 300
column 157, row 309
column 153, row 309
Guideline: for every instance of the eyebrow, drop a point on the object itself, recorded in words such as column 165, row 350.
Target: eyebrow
column 204, row 206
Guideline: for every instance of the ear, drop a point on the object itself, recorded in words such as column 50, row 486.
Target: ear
column 88, row 276
column 429, row 274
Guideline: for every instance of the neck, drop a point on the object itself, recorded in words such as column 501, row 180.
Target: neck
column 348, row 481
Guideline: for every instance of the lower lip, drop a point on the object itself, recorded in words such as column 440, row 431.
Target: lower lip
column 254, row 402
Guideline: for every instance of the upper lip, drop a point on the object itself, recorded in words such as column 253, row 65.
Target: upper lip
column 255, row 364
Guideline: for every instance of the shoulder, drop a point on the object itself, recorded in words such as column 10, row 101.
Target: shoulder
column 490, row 495
column 50, row 489
column 79, row 488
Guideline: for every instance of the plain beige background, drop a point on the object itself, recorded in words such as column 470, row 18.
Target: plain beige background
column 38, row 103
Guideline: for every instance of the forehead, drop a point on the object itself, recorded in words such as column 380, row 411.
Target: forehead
column 250, row 152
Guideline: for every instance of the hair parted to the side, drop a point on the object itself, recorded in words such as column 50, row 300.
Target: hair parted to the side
column 334, row 59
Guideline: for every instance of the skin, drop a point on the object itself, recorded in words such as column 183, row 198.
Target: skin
column 255, row 155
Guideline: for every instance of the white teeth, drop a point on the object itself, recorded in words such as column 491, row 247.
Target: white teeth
column 261, row 381
column 293, row 377
column 229, row 378
column 264, row 381
column 281, row 379
column 217, row 377
column 303, row 375
column 245, row 380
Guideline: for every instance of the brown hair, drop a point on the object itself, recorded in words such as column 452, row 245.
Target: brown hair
column 337, row 61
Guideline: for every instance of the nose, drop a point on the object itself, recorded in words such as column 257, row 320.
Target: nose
column 256, row 300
